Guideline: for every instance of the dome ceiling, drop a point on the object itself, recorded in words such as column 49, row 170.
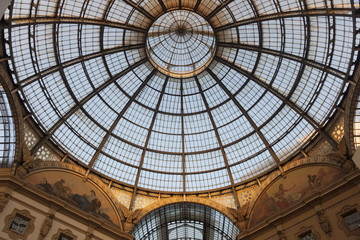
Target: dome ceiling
column 181, row 98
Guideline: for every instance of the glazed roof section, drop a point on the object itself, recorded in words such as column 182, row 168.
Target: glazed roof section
column 280, row 69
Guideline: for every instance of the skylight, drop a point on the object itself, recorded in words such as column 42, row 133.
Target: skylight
column 131, row 92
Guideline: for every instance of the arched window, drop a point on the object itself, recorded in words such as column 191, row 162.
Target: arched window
column 185, row 221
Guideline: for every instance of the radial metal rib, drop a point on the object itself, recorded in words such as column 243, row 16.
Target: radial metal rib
column 132, row 201
column 226, row 162
column 289, row 103
column 81, row 103
column 121, row 114
column 246, row 115
column 68, row 20
column 292, row 14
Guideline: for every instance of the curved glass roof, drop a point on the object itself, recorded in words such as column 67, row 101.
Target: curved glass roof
column 180, row 43
column 279, row 70
column 182, row 221
column 7, row 132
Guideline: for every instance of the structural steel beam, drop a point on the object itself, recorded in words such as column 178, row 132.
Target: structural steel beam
column 81, row 103
column 68, row 20
column 226, row 162
column 292, row 14
column 246, row 115
column 121, row 114
column 197, row 5
column 163, row 7
column 289, row 56
column 72, row 62
column 182, row 135
column 140, row 9
column 218, row 9
column 132, row 202
column 286, row 100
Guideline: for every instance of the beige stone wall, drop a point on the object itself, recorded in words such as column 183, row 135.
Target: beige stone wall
column 20, row 196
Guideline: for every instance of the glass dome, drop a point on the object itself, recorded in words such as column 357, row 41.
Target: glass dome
column 253, row 83
column 180, row 43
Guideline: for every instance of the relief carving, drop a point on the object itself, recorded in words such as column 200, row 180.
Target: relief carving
column 132, row 219
column 65, row 232
column 324, row 222
column 46, row 226
column 341, row 156
column 241, row 216
column 4, row 199
column 28, row 163
column 282, row 235
column 89, row 236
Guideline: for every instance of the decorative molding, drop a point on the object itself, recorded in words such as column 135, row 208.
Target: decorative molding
column 327, row 159
column 305, row 162
column 350, row 105
column 41, row 165
column 282, row 235
column 324, row 223
column 58, row 205
column 38, row 166
column 46, row 226
column 4, row 199
column 89, row 236
column 66, row 232
column 138, row 214
column 341, row 222
column 28, row 229
column 304, row 230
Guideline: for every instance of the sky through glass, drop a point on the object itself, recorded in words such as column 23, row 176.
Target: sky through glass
column 255, row 82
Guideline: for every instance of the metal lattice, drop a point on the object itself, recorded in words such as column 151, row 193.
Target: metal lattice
column 269, row 80
column 185, row 221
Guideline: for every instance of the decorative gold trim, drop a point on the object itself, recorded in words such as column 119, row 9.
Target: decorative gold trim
column 302, row 162
column 287, row 171
column 28, row 229
column 57, row 205
column 66, row 232
column 138, row 214
column 350, row 105
column 344, row 211
column 121, row 210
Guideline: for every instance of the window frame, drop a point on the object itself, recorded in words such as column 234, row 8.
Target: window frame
column 305, row 230
column 342, row 223
column 66, row 232
column 9, row 219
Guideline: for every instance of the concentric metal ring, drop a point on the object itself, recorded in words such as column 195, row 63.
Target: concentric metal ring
column 180, row 43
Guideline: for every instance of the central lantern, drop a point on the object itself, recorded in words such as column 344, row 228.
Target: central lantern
column 180, row 43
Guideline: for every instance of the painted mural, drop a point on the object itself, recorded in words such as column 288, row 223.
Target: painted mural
column 291, row 189
column 74, row 190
